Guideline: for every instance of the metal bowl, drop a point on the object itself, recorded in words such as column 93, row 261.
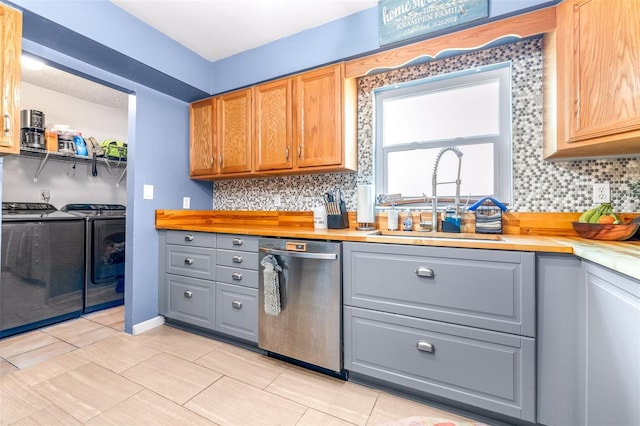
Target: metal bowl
column 608, row 232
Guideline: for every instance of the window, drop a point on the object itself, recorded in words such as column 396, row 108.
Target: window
column 415, row 120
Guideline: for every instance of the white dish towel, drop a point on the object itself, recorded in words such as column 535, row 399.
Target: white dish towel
column 271, row 285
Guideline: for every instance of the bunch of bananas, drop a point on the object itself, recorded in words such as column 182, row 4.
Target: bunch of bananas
column 602, row 214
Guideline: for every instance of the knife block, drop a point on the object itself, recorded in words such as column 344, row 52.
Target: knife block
column 339, row 221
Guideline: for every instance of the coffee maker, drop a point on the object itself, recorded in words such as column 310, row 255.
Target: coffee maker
column 32, row 129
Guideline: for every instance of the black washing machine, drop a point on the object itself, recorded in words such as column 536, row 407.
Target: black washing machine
column 42, row 266
column 105, row 253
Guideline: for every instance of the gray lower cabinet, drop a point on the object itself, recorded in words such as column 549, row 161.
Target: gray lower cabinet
column 211, row 281
column 190, row 300
column 454, row 323
column 187, row 270
column 237, row 286
column 237, row 311
column 589, row 344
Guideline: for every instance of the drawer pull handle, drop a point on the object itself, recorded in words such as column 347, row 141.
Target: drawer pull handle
column 188, row 237
column 237, row 241
column 425, row 272
column 236, row 276
column 236, row 259
column 188, row 261
column 236, row 304
column 425, row 346
column 188, row 294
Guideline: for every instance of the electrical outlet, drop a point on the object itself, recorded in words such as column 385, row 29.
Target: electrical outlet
column 276, row 200
column 45, row 195
column 186, row 202
column 601, row 193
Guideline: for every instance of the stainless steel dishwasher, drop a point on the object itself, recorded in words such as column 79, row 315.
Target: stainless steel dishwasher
column 308, row 327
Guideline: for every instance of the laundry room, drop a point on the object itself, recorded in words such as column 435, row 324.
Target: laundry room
column 64, row 200
column 70, row 106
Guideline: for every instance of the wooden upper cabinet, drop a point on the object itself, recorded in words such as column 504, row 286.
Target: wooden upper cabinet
column 202, row 146
column 11, row 48
column 318, row 124
column 593, row 71
column 305, row 123
column 235, row 132
column 273, row 125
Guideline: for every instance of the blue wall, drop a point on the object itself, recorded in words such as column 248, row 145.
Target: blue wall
column 99, row 40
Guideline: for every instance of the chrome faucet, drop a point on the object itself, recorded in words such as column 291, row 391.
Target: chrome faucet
column 435, row 183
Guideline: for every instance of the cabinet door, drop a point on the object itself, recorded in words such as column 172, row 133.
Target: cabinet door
column 202, row 153
column 11, row 48
column 273, row 131
column 606, row 66
column 318, row 124
column 234, row 132
column 592, row 80
column 612, row 348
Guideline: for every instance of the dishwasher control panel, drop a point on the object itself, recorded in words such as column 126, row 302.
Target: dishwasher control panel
column 295, row 246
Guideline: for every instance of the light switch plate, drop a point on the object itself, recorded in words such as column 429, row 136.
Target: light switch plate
column 186, row 202
column 147, row 192
column 601, row 193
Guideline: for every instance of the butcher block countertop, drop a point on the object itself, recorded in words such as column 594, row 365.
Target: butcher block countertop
column 539, row 232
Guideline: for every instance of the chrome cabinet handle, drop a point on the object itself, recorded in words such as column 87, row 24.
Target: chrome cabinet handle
column 236, row 259
column 220, row 161
column 7, row 124
column 423, row 271
column 299, row 151
column 188, row 237
column 236, row 276
column 236, row 304
column 188, row 261
column 423, row 346
column 211, row 161
column 237, row 241
column 286, row 153
column 188, row 294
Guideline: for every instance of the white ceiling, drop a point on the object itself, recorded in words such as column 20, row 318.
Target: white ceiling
column 60, row 81
column 216, row 29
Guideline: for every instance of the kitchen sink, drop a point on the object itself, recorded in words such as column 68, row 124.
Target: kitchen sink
column 429, row 235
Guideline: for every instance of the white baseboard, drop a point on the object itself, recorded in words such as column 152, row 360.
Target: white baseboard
column 147, row 325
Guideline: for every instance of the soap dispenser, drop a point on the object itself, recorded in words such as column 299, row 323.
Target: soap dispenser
column 407, row 221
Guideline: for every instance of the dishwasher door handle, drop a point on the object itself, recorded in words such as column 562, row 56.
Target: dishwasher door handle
column 300, row 254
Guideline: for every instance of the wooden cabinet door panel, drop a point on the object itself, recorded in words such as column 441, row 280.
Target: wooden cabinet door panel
column 11, row 48
column 273, row 121
column 606, row 62
column 234, row 124
column 202, row 155
column 318, row 126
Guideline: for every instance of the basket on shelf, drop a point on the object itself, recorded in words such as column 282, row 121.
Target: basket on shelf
column 488, row 213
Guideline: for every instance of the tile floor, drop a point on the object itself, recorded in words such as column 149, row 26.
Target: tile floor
column 88, row 371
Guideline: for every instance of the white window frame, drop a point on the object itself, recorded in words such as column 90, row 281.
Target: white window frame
column 502, row 173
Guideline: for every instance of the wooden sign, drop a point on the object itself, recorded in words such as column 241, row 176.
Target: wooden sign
column 403, row 19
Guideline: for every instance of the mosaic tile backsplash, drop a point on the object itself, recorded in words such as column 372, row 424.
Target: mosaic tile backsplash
column 538, row 185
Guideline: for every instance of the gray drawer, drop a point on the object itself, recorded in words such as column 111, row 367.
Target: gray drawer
column 238, row 242
column 237, row 311
column 190, row 300
column 491, row 370
column 196, row 262
column 489, row 289
column 189, row 238
column 237, row 259
column 237, row 276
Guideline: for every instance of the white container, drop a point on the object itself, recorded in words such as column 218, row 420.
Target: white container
column 392, row 220
column 319, row 217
